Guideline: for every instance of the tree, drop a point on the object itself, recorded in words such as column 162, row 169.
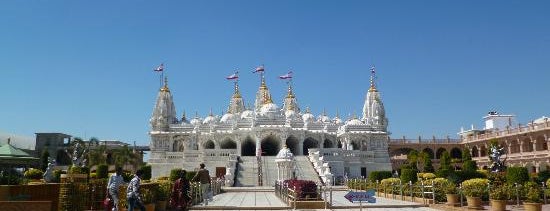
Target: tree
column 44, row 159
column 427, row 161
column 412, row 159
column 445, row 161
column 466, row 155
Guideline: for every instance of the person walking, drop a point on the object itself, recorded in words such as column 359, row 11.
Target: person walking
column 203, row 176
column 113, row 185
column 132, row 192
column 180, row 199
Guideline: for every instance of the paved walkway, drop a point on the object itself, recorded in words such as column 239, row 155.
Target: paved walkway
column 264, row 200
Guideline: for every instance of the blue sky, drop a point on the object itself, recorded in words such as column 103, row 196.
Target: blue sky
column 85, row 68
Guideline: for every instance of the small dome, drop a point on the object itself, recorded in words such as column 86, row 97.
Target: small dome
column 247, row 114
column 290, row 114
column 323, row 118
column 210, row 120
column 285, row 153
column 308, row 117
column 228, row 117
column 337, row 120
column 354, row 121
column 196, row 121
column 269, row 108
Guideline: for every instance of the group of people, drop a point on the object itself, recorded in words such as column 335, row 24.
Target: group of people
column 179, row 197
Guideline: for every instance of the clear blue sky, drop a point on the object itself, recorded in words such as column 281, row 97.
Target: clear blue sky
column 85, row 68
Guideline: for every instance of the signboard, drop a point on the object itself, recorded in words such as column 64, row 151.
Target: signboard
column 367, row 196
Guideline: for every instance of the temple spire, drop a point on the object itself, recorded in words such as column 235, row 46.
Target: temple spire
column 165, row 86
column 164, row 112
column 373, row 109
column 372, row 79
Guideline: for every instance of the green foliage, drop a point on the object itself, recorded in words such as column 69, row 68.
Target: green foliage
column 448, row 187
column 409, row 175
column 475, row 187
column 379, row 175
column 426, row 176
column 500, row 192
column 79, row 170
column 163, row 190
column 497, row 178
column 146, row 172
column 102, row 171
column 175, row 174
column 33, row 173
column 388, row 182
column 148, row 195
column 412, row 159
column 469, row 165
column 44, row 159
column 445, row 161
column 57, row 176
column 543, row 176
column 127, row 176
column 466, row 155
column 428, row 167
column 10, row 177
column 533, row 192
column 444, row 173
column 518, row 175
column 460, row 176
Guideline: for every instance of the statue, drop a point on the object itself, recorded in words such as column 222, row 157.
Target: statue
column 79, row 155
column 48, row 175
column 496, row 153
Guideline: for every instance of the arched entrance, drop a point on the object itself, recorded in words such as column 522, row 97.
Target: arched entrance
column 429, row 152
column 228, row 144
column 309, row 143
column 456, row 153
column 270, row 146
column 439, row 153
column 248, row 147
column 292, row 144
column 328, row 144
column 209, row 145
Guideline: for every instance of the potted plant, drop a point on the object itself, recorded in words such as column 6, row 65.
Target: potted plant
column 474, row 189
column 532, row 200
column 148, row 197
column 162, row 193
column 499, row 196
column 450, row 190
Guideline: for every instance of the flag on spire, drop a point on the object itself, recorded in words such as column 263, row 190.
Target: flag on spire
column 160, row 68
column 233, row 76
column 258, row 69
column 286, row 76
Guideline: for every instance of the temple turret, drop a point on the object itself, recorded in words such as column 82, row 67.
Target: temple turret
column 262, row 96
column 373, row 109
column 236, row 103
column 290, row 103
column 164, row 112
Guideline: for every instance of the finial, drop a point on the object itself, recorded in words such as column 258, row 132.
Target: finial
column 211, row 114
column 183, row 117
column 307, row 110
column 290, row 94
column 324, row 111
column 372, row 77
column 237, row 93
column 165, row 87
column 354, row 115
column 196, row 114
column 338, row 113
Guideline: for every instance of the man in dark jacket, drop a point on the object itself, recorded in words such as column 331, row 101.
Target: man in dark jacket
column 203, row 176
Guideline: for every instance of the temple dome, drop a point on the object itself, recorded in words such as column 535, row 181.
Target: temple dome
column 196, row 121
column 308, row 117
column 210, row 120
column 269, row 108
column 291, row 114
column 285, row 153
column 323, row 118
column 337, row 120
column 354, row 121
column 247, row 114
column 229, row 117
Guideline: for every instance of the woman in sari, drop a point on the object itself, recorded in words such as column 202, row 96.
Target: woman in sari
column 179, row 198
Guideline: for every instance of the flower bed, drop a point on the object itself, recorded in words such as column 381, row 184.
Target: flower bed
column 304, row 189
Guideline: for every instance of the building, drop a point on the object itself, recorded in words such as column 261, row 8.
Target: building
column 353, row 147
column 526, row 145
column 56, row 144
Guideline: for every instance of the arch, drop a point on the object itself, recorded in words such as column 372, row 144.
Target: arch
column 527, row 145
column 270, row 146
column 177, row 146
column 530, row 167
column 248, row 147
column 339, row 144
column 328, row 144
column 355, row 145
column 63, row 158
column 209, row 145
column 292, row 144
column 400, row 151
column 439, row 152
column 474, row 151
column 483, row 151
column 228, row 144
column 541, row 144
column 429, row 151
column 309, row 143
column 514, row 147
column 456, row 153
column 544, row 166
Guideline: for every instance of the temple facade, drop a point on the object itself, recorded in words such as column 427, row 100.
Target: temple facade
column 346, row 148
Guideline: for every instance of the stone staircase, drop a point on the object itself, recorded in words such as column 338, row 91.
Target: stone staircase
column 269, row 170
column 305, row 170
column 247, row 172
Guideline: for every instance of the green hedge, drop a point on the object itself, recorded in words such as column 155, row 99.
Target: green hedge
column 33, row 173
column 102, row 171
column 518, row 175
column 146, row 172
column 409, row 175
column 379, row 175
column 469, row 165
column 175, row 174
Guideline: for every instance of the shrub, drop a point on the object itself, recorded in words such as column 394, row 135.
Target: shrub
column 444, row 173
column 518, row 175
column 79, row 170
column 102, row 171
column 448, row 187
column 461, row 176
column 390, row 182
column 163, row 190
column 445, row 161
column 475, row 187
column 304, row 188
column 379, row 175
column 440, row 187
column 543, row 176
column 500, row 192
column 409, row 175
column 57, row 175
column 127, row 176
column 428, row 166
column 146, row 172
column 426, row 176
column 93, row 175
column 175, row 174
column 466, row 154
column 33, row 173
column 533, row 192
column 469, row 165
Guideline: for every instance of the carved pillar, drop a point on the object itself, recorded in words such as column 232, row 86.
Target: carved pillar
column 534, row 143
column 478, row 151
column 520, row 146
column 547, row 142
column 509, row 145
